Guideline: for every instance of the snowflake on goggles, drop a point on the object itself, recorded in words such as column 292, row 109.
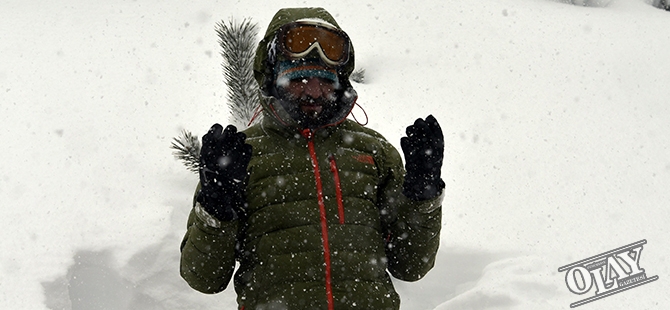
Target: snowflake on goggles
column 298, row 39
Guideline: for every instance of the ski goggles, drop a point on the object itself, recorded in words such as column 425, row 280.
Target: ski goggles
column 296, row 40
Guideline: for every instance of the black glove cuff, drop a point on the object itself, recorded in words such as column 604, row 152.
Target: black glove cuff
column 222, row 202
column 419, row 190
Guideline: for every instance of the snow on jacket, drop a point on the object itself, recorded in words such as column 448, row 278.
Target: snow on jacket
column 326, row 222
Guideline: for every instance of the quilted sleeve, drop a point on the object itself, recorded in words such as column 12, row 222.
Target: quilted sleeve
column 208, row 252
column 412, row 227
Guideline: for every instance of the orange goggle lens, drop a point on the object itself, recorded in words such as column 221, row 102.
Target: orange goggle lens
column 298, row 39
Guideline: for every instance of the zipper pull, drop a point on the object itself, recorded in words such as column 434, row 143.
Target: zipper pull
column 307, row 133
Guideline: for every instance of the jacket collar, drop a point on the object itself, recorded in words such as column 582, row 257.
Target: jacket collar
column 277, row 119
column 292, row 131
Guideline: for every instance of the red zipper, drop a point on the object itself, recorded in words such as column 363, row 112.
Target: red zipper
column 338, row 188
column 308, row 134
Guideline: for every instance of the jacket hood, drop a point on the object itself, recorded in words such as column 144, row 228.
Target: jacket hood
column 264, row 66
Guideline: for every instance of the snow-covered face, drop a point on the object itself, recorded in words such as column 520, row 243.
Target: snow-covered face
column 311, row 101
column 311, row 94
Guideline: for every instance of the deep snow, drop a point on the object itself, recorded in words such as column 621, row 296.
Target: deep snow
column 555, row 116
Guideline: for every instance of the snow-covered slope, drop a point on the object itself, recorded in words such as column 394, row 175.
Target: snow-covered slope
column 555, row 116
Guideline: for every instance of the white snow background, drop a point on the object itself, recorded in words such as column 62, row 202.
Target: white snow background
column 556, row 119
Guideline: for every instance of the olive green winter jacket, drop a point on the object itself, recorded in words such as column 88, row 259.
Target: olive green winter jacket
column 326, row 219
column 325, row 223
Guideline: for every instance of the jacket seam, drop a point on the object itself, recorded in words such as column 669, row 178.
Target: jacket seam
column 338, row 189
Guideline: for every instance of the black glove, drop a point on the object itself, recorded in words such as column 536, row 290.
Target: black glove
column 224, row 158
column 424, row 152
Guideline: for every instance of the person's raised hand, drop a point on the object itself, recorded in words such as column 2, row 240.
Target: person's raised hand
column 224, row 157
column 424, row 152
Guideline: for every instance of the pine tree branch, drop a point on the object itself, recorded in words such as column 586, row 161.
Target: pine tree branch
column 238, row 48
column 358, row 76
column 186, row 148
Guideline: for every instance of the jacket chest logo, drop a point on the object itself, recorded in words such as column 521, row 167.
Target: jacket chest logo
column 366, row 159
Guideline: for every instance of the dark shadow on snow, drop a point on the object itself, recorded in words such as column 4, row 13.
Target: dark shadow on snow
column 149, row 280
column 90, row 284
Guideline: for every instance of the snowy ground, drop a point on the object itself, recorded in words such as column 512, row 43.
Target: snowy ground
column 556, row 120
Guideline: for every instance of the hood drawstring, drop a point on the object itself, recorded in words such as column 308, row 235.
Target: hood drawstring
column 364, row 113
column 257, row 112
